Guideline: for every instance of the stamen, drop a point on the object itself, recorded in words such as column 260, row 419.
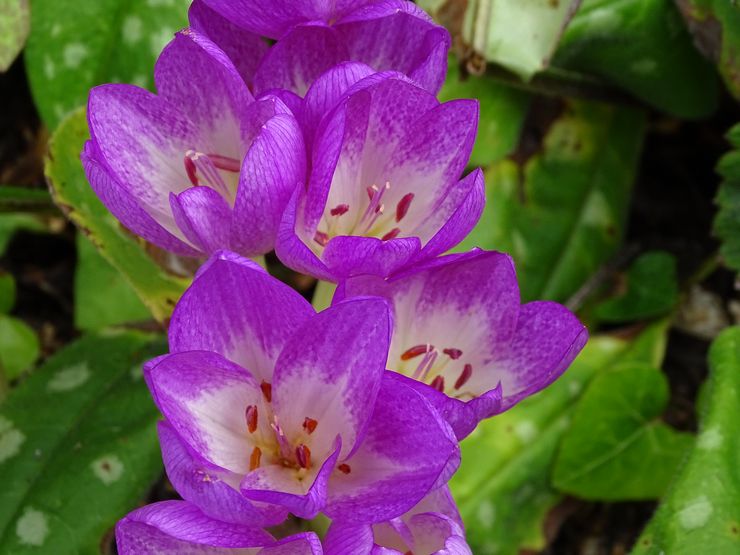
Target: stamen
column 371, row 191
column 309, row 424
column 374, row 209
column 464, row 376
column 392, row 234
column 191, row 170
column 251, row 416
column 425, row 366
column 266, row 390
column 202, row 169
column 415, row 351
column 339, row 209
column 282, row 439
column 254, row 459
column 303, row 456
column 402, row 208
column 344, row 468
column 225, row 163
column 438, row 383
column 454, row 354
column 321, row 238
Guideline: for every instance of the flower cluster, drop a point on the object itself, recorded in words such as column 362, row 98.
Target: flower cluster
column 311, row 127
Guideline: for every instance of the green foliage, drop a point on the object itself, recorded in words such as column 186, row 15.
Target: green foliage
column 85, row 454
column 616, row 448
column 158, row 289
column 643, row 47
column 12, row 222
column 700, row 513
column 7, row 292
column 74, row 46
column 503, row 486
column 651, row 290
column 19, row 346
column 727, row 222
column 14, row 24
column 23, row 198
column 560, row 211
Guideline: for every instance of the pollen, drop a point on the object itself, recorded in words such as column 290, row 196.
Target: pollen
column 251, row 416
column 454, row 354
column 392, row 234
column 339, row 209
column 303, row 456
column 416, row 351
column 464, row 376
column 344, row 468
column 438, row 383
column 402, row 208
column 254, row 459
column 321, row 238
column 309, row 424
column 266, row 391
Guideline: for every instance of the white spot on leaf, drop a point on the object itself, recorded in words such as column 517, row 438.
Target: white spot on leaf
column 132, row 27
column 107, row 468
column 525, row 430
column 74, row 53
column 49, row 69
column 69, row 378
column 32, row 527
column 696, row 513
column 486, row 514
column 11, row 439
column 159, row 40
column 710, row 439
column 158, row 3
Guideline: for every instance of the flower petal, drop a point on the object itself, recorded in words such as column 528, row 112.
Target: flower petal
column 240, row 312
column 406, row 449
column 203, row 216
column 209, row 487
column 203, row 396
column 348, row 538
column 177, row 527
column 347, row 256
column 306, row 543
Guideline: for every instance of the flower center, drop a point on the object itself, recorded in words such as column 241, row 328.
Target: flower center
column 439, row 369
column 214, row 171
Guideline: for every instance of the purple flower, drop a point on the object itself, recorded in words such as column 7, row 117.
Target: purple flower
column 317, row 35
column 290, row 408
column 201, row 166
column 433, row 527
column 177, row 527
column 385, row 189
column 462, row 337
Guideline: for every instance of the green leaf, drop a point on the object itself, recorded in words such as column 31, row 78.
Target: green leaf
column 102, row 296
column 503, row 486
column 643, row 47
column 502, row 113
column 74, row 46
column 616, row 448
column 19, row 346
column 158, row 289
column 700, row 512
column 10, row 223
column 561, row 211
column 521, row 35
column 13, row 199
column 78, row 446
column 651, row 290
column 7, row 292
column 727, row 221
column 14, row 26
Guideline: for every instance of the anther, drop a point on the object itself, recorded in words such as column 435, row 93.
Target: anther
column 402, row 208
column 254, row 459
column 251, row 416
column 464, row 376
column 191, row 170
column 321, row 238
column 344, row 468
column 339, row 209
column 309, row 424
column 438, row 383
column 225, row 163
column 303, row 456
column 266, row 391
column 454, row 354
column 415, row 351
column 392, row 234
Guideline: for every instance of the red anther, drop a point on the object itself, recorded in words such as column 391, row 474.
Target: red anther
column 309, row 424
column 339, row 209
column 454, row 354
column 344, row 468
column 254, row 459
column 464, row 376
column 379, row 209
column 392, row 234
column 321, row 238
column 303, row 456
column 251, row 416
column 402, row 208
column 371, row 192
column 438, row 383
column 191, row 170
column 416, row 350
column 266, row 391
column 225, row 163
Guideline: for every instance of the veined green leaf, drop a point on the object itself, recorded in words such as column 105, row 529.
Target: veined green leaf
column 727, row 221
column 14, row 25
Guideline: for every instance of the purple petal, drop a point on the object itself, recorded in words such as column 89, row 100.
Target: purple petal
column 245, row 49
column 211, row 488
column 177, row 527
column 203, row 216
column 348, row 538
column 306, row 543
column 239, row 311
column 406, row 449
column 348, row 256
column 126, row 207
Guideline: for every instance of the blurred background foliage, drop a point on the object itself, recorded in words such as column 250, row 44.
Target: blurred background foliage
column 601, row 124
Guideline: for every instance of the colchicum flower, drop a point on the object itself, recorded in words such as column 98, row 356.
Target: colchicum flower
column 385, row 189
column 313, row 36
column 178, row 528
column 290, row 408
column 201, row 166
column 433, row 527
column 462, row 337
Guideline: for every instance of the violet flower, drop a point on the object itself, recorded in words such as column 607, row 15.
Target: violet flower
column 177, row 527
column 292, row 409
column 314, row 36
column 462, row 337
column 385, row 189
column 195, row 168
column 433, row 527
